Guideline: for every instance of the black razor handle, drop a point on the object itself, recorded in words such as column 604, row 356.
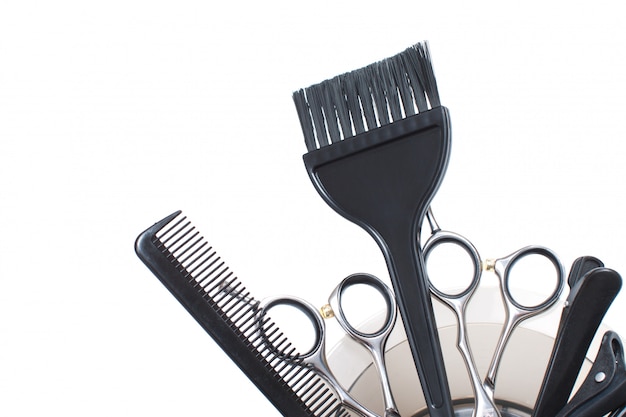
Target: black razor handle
column 593, row 290
column 383, row 180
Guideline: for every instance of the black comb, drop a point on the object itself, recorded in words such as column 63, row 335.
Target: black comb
column 193, row 272
column 379, row 142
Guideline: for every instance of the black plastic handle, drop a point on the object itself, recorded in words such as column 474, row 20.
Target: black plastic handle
column 580, row 267
column 588, row 301
column 604, row 388
column 384, row 180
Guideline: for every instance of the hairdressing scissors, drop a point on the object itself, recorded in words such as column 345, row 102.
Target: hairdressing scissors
column 515, row 312
column 375, row 342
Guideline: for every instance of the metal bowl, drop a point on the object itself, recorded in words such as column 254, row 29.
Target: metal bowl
column 519, row 378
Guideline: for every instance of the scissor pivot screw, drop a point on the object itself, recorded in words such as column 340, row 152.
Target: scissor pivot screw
column 489, row 264
column 600, row 377
column 327, row 311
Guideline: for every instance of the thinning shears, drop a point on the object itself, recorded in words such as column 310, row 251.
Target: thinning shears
column 375, row 341
column 515, row 312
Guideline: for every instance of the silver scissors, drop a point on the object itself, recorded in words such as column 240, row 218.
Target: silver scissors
column 515, row 312
column 375, row 342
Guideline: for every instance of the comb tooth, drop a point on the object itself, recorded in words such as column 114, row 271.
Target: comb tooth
column 300, row 377
column 305, row 380
column 301, row 391
column 185, row 245
column 229, row 294
column 320, row 403
column 205, row 277
column 177, row 247
column 173, row 235
column 244, row 300
column 287, row 369
column 180, row 228
column 252, row 328
column 214, row 287
column 235, row 291
column 282, row 349
column 246, row 313
column 274, row 339
column 212, row 275
column 199, row 276
column 331, row 409
column 170, row 227
column 319, row 399
column 197, row 246
column 254, row 333
column 264, row 353
column 341, row 413
column 284, row 367
column 324, row 401
column 193, row 264
column 344, row 413
column 269, row 335
column 313, row 390
column 240, row 321
column 258, row 342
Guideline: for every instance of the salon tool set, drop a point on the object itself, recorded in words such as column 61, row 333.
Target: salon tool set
column 378, row 142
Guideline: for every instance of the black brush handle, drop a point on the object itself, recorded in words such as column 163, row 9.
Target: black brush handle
column 587, row 303
column 383, row 180
column 415, row 304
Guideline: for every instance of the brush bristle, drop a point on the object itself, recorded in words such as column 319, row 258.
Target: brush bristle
column 367, row 98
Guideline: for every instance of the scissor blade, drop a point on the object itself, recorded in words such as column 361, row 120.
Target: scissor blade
column 587, row 303
column 604, row 388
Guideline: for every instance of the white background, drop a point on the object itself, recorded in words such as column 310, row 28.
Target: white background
column 114, row 114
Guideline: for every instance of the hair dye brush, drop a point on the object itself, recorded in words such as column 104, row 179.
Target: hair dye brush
column 378, row 145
